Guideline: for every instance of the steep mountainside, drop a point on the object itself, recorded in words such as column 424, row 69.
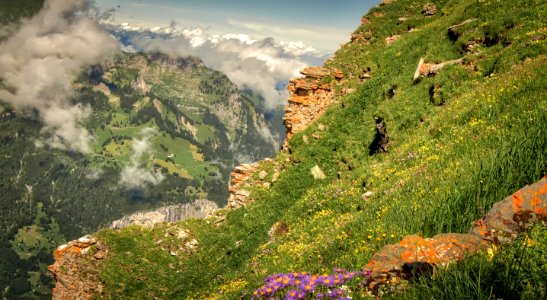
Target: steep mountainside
column 440, row 114
column 166, row 131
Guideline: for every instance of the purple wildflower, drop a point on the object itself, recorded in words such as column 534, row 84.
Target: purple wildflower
column 307, row 287
column 291, row 295
column 336, row 293
column 328, row 281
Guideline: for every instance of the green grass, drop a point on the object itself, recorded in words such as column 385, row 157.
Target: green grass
column 186, row 162
column 185, row 155
column 181, row 99
column 445, row 166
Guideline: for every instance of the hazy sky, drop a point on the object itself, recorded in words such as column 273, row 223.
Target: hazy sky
column 324, row 24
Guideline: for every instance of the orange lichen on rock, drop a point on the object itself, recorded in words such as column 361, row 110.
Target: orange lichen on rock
column 309, row 98
column 511, row 216
column 76, row 270
column 502, row 224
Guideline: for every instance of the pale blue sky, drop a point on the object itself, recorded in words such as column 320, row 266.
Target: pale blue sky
column 323, row 24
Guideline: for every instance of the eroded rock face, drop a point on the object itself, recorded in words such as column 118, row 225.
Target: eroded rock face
column 238, row 178
column 502, row 224
column 173, row 213
column 309, row 97
column 429, row 9
column 76, row 269
column 243, row 179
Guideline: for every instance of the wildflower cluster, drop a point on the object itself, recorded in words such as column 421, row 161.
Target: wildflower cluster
column 292, row 286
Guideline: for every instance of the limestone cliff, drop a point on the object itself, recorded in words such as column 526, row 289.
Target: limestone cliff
column 172, row 213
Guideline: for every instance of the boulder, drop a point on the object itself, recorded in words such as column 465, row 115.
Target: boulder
column 262, row 175
column 429, row 9
column 502, row 224
column 317, row 173
column 392, row 39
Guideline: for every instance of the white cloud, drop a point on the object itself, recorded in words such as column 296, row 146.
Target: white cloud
column 260, row 65
column 134, row 175
column 321, row 36
column 39, row 61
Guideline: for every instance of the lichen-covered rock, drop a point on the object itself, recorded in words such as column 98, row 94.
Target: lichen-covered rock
column 309, row 98
column 242, row 181
column 240, row 174
column 76, row 269
column 510, row 217
column 429, row 9
column 430, row 69
column 502, row 224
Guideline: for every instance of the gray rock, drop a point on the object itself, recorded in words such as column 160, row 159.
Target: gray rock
column 367, row 195
column 173, row 213
column 317, row 173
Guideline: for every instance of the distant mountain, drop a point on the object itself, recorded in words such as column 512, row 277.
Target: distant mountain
column 167, row 130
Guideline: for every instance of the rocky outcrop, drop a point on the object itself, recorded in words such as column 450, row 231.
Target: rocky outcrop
column 429, row 9
column 430, row 69
column 309, row 97
column 501, row 225
column 248, row 176
column 238, row 179
column 77, row 264
column 181, row 63
column 173, row 213
column 76, row 269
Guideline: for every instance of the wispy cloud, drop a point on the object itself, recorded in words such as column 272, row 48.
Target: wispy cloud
column 135, row 175
column 317, row 35
column 38, row 64
column 261, row 65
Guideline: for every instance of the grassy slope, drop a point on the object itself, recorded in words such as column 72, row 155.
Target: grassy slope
column 445, row 167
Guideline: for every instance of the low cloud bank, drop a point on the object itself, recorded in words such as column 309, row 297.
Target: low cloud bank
column 40, row 60
column 135, row 175
column 263, row 66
